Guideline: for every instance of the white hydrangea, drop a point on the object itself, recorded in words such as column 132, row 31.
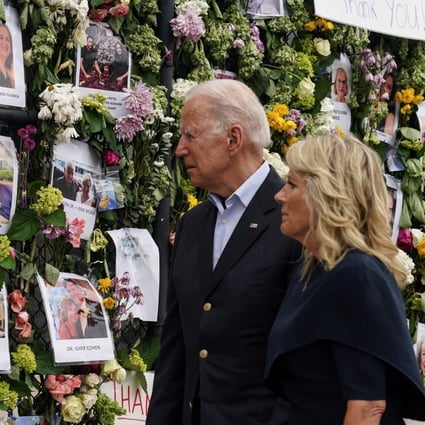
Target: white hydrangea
column 200, row 6
column 417, row 236
column 408, row 264
column 275, row 160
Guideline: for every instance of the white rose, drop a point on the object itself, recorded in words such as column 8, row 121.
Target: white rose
column 322, row 46
column 306, row 87
column 119, row 375
column 326, row 105
column 92, row 379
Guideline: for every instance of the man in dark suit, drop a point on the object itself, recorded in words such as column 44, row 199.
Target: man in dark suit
column 229, row 269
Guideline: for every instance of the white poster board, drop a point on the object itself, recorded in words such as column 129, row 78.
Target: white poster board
column 130, row 396
column 397, row 19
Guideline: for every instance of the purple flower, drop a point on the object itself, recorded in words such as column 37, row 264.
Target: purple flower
column 255, row 37
column 140, row 100
column 188, row 25
column 29, row 144
column 126, row 127
column 54, row 232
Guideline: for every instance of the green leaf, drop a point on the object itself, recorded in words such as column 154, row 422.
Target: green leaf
column 28, row 271
column 94, row 119
column 410, row 133
column 51, row 274
column 141, row 378
column 149, row 350
column 58, row 218
column 45, row 364
column 24, row 226
column 8, row 263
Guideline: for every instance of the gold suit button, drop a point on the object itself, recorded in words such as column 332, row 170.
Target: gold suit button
column 203, row 354
column 207, row 306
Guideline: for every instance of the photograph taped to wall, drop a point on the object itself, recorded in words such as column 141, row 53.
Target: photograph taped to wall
column 4, row 335
column 341, row 74
column 77, row 321
column 8, row 182
column 104, row 65
column 74, row 166
column 12, row 77
column 263, row 9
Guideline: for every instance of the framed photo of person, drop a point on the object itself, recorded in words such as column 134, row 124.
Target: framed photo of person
column 12, row 77
column 104, row 64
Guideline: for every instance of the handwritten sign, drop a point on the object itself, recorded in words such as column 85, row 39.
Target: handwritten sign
column 405, row 19
column 131, row 397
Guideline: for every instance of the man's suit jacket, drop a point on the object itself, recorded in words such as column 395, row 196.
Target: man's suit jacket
column 215, row 333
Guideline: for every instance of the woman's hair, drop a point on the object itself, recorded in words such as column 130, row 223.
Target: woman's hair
column 340, row 70
column 86, row 177
column 9, row 59
column 65, row 306
column 347, row 198
column 233, row 102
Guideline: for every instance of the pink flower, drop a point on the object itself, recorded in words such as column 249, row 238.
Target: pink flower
column 405, row 240
column 110, row 157
column 75, row 230
column 126, row 127
column 29, row 144
column 119, row 10
column 98, row 15
column 16, row 300
column 140, row 100
column 60, row 385
column 188, row 25
column 22, row 325
column 54, row 232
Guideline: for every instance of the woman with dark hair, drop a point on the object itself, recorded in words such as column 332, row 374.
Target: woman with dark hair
column 7, row 77
column 119, row 68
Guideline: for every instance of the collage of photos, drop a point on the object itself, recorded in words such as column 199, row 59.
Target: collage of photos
column 75, row 314
column 104, row 64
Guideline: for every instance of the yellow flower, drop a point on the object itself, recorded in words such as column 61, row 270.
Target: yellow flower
column 109, row 303
column 281, row 109
column 193, row 202
column 104, row 285
column 420, row 246
column 310, row 26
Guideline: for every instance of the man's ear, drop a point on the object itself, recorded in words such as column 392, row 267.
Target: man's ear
column 234, row 140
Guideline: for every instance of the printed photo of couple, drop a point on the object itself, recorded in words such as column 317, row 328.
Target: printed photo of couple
column 77, row 319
